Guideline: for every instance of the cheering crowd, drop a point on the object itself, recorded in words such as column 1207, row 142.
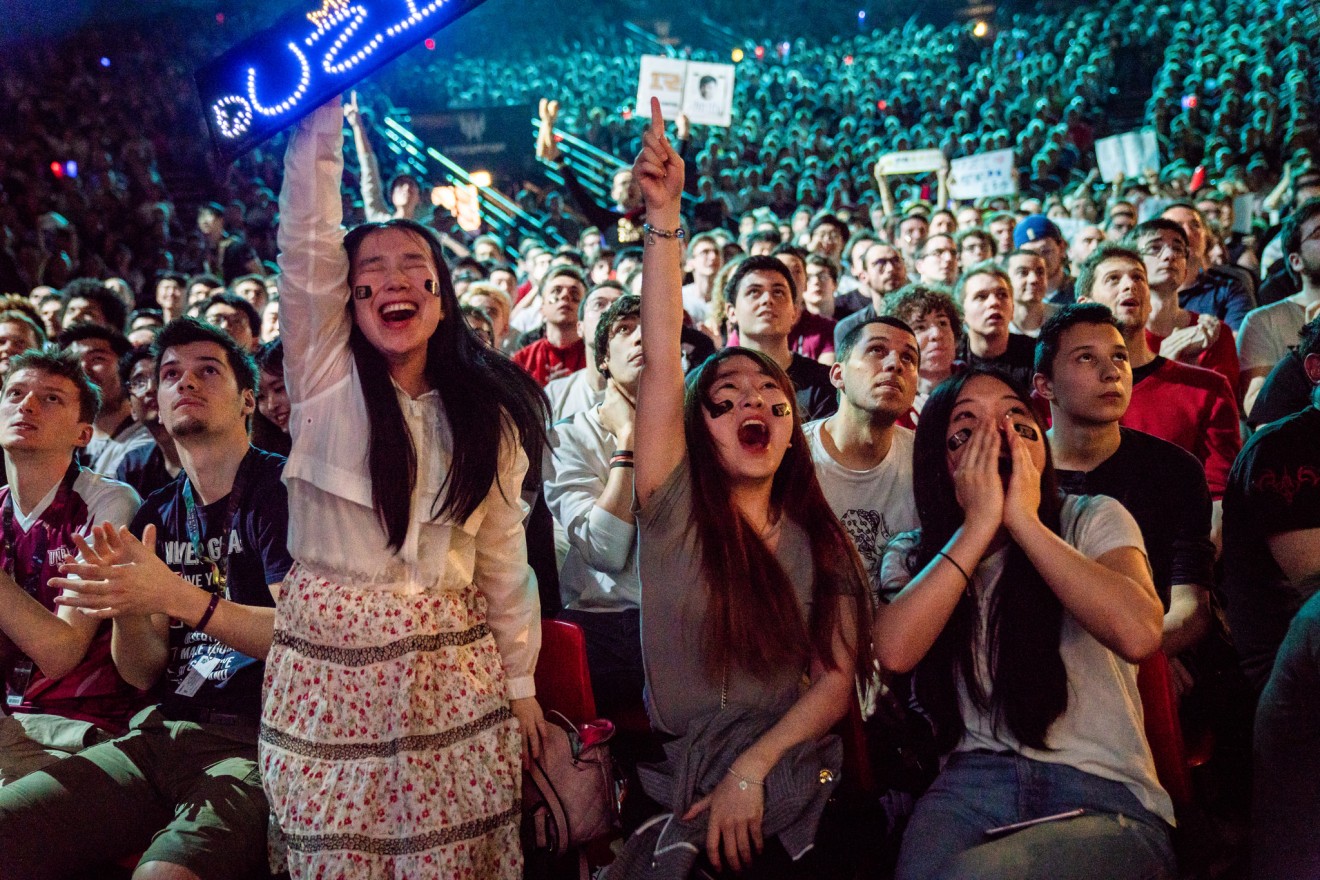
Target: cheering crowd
column 288, row 495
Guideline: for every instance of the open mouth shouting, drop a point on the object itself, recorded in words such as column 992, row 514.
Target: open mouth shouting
column 397, row 313
column 754, row 435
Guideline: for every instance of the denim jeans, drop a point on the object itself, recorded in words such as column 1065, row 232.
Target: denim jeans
column 1116, row 839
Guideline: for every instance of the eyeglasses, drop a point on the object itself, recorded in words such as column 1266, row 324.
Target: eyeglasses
column 141, row 384
column 1157, row 249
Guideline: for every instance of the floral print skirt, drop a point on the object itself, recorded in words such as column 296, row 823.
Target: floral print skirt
column 387, row 748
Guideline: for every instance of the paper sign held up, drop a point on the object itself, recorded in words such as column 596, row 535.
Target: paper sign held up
column 1133, row 153
column 700, row 90
column 910, row 162
column 982, row 175
column 664, row 78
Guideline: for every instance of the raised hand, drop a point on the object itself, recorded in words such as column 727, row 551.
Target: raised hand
column 352, row 114
column 976, row 480
column 118, row 575
column 546, row 148
column 1022, row 498
column 659, row 171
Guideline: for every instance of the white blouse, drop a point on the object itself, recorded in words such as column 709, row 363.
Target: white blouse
column 332, row 525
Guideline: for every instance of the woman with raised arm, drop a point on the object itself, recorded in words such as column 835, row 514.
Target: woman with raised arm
column 407, row 631
column 753, row 600
column 1023, row 612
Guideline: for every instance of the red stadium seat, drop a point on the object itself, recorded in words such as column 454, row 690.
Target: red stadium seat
column 563, row 682
column 1163, row 729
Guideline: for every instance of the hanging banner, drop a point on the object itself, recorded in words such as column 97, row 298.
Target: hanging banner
column 318, row 50
column 982, row 175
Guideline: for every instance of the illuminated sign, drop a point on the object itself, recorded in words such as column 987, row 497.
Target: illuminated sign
column 317, row 51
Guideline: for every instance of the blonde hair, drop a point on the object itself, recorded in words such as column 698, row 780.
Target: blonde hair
column 486, row 289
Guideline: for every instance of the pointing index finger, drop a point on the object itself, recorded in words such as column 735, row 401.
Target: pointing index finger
column 657, row 117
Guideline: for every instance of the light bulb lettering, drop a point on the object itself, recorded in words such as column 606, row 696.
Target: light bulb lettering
column 283, row 106
column 333, row 27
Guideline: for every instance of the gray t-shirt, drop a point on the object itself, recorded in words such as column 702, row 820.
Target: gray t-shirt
column 1102, row 731
column 873, row 505
column 679, row 688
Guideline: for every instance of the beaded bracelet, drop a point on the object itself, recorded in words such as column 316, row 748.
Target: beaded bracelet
column 652, row 233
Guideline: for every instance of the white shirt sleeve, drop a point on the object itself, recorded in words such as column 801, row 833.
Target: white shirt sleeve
column 313, row 264
column 501, row 573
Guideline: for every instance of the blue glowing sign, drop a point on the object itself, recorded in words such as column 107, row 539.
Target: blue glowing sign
column 319, row 50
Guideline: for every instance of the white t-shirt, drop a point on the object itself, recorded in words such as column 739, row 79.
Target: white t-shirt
column 1267, row 332
column 1102, row 732
column 697, row 306
column 572, row 394
column 873, row 505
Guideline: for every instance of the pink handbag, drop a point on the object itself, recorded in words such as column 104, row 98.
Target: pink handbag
column 570, row 797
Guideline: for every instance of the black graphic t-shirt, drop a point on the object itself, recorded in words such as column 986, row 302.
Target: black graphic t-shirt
column 203, row 673
column 1274, row 488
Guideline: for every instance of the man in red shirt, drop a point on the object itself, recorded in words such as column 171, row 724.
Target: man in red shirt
column 561, row 351
column 62, row 688
column 1188, row 406
column 1177, row 333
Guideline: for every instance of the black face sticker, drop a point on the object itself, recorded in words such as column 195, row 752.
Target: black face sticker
column 1026, row 431
column 362, row 292
column 781, row 409
column 431, row 286
column 716, row 410
column 957, row 440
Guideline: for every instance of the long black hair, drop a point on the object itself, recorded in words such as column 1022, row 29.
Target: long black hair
column 753, row 619
column 488, row 401
column 1029, row 684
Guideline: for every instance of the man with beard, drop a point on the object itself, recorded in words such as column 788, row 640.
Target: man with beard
column 193, row 605
column 883, row 272
column 1267, row 333
column 589, row 489
column 1188, row 406
column 561, row 351
column 863, row 459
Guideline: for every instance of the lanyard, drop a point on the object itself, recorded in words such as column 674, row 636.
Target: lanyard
column 219, row 580
column 31, row 584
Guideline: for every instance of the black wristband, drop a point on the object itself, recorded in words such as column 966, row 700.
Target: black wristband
column 206, row 617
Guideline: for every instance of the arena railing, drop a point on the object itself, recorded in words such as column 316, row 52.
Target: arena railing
column 500, row 212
